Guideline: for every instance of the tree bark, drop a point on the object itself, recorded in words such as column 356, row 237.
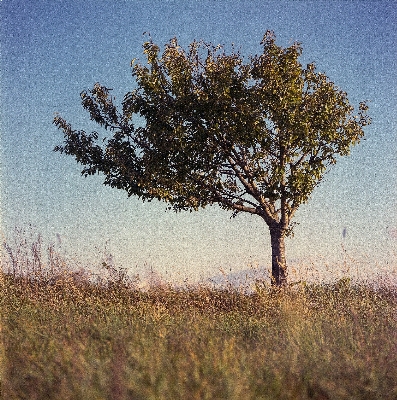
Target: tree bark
column 279, row 265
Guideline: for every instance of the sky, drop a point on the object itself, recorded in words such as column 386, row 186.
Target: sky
column 52, row 50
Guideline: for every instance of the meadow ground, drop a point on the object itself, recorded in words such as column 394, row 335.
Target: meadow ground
column 65, row 336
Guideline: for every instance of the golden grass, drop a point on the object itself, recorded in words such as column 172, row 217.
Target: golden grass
column 67, row 337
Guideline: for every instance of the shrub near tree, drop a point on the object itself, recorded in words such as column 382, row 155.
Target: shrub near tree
column 253, row 136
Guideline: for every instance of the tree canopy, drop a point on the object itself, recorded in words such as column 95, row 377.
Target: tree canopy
column 254, row 135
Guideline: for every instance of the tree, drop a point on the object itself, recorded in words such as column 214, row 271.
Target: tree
column 253, row 136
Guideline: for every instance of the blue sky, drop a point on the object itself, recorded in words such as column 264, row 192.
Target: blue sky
column 52, row 50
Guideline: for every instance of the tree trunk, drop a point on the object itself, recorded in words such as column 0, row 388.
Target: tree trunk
column 279, row 265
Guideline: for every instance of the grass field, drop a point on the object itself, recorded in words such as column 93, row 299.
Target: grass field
column 67, row 337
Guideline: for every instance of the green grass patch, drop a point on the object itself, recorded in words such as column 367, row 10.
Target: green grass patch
column 68, row 338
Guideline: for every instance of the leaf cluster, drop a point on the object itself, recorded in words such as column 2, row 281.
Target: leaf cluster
column 253, row 136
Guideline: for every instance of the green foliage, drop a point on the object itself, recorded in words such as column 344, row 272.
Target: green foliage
column 253, row 136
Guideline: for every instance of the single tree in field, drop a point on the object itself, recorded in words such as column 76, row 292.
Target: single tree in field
column 205, row 127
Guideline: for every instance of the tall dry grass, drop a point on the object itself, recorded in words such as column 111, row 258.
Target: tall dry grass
column 68, row 336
